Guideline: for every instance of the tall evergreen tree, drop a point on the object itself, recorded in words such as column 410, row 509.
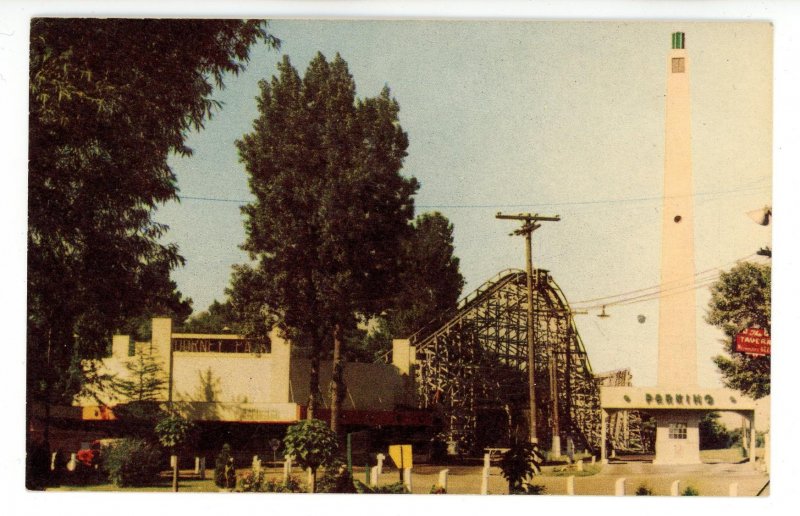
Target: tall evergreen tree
column 145, row 379
column 331, row 208
column 740, row 299
column 432, row 282
column 430, row 287
column 110, row 99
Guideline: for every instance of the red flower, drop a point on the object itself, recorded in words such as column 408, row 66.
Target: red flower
column 87, row 457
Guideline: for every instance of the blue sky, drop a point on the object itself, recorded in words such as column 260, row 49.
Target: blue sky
column 561, row 118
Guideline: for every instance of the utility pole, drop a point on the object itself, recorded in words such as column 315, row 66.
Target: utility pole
column 530, row 223
column 555, row 446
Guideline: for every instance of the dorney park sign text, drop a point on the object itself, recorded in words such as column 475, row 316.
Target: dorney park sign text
column 675, row 398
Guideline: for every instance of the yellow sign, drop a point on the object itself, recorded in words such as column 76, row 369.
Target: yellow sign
column 401, row 455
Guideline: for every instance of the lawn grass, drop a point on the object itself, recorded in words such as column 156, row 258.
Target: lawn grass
column 184, row 485
column 731, row 455
column 571, row 470
column 188, row 482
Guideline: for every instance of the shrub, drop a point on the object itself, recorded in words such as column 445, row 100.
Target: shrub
column 437, row 489
column 519, row 463
column 251, row 482
column 132, row 462
column 690, row 491
column 336, row 480
column 396, row 488
column 224, row 470
column 643, row 490
column 257, row 482
column 292, row 485
column 529, row 489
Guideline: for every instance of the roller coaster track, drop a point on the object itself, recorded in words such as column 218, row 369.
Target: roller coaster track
column 471, row 366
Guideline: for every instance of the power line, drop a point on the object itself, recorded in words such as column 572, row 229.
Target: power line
column 657, row 295
column 659, row 286
column 625, row 299
column 214, row 199
column 567, row 203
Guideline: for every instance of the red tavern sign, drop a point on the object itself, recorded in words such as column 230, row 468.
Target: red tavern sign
column 753, row 341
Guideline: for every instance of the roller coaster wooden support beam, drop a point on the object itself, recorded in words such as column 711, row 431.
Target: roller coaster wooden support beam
column 530, row 223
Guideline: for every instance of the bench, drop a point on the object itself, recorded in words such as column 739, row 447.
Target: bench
column 495, row 453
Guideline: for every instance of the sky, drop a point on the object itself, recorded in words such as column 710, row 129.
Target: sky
column 561, row 118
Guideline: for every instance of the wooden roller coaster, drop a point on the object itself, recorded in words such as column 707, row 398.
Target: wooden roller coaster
column 471, row 369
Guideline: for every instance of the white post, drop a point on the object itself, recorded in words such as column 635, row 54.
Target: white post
column 407, row 478
column 381, row 457
column 485, row 481
column 53, row 461
column 579, row 465
column 619, row 487
column 603, row 421
column 733, row 489
column 753, row 438
column 744, row 433
column 373, row 476
column 443, row 479
column 571, row 485
column 487, row 460
column 197, row 465
column 675, row 488
column 593, row 460
column 287, row 469
column 173, row 462
column 73, row 462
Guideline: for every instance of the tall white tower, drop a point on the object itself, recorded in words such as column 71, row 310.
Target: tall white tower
column 677, row 341
column 677, row 431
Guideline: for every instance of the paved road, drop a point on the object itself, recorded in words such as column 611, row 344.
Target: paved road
column 707, row 479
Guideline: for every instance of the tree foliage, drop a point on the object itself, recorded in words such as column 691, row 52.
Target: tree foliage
column 432, row 282
column 713, row 434
column 311, row 444
column 740, row 299
column 110, row 99
column 175, row 431
column 430, row 286
column 145, row 379
column 520, row 462
column 331, row 208
column 219, row 318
